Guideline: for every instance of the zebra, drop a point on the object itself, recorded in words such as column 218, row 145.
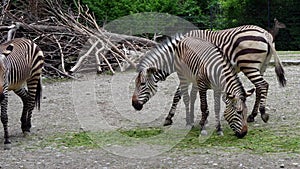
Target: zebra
column 249, row 49
column 201, row 63
column 21, row 63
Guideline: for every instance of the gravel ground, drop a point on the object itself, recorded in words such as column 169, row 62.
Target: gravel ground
column 103, row 103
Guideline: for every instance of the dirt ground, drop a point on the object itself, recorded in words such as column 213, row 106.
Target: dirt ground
column 102, row 102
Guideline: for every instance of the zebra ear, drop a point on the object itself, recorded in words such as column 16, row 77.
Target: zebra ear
column 250, row 92
column 151, row 70
column 230, row 96
column 8, row 50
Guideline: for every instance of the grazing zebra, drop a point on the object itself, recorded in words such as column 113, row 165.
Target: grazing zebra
column 201, row 63
column 21, row 63
column 249, row 49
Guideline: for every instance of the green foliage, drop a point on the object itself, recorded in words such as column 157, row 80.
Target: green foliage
column 216, row 14
column 107, row 10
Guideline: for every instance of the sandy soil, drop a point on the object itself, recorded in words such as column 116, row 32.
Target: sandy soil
column 97, row 103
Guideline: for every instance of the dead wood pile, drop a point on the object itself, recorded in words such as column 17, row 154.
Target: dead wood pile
column 72, row 41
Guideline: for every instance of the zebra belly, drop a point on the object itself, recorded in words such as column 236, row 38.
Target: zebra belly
column 18, row 85
column 185, row 73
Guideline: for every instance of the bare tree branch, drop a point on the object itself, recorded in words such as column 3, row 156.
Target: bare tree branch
column 71, row 40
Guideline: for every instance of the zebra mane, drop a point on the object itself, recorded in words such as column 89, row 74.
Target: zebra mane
column 161, row 56
column 240, row 88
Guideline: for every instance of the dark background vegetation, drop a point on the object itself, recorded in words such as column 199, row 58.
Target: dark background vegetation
column 62, row 27
column 213, row 14
column 205, row 14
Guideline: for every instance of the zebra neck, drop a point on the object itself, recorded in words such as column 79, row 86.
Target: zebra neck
column 160, row 76
column 230, row 82
column 234, row 87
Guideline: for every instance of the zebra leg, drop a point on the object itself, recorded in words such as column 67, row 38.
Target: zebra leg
column 4, row 120
column 205, row 112
column 262, row 104
column 176, row 99
column 28, row 105
column 193, row 95
column 217, row 98
column 186, row 99
column 261, row 95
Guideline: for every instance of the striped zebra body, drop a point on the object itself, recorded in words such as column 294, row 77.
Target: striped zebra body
column 249, row 49
column 191, row 67
column 21, row 63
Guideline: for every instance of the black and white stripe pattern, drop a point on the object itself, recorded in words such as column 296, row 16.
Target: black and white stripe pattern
column 155, row 66
column 21, row 63
column 249, row 49
column 193, row 64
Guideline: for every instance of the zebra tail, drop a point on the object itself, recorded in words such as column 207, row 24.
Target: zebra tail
column 278, row 68
column 38, row 94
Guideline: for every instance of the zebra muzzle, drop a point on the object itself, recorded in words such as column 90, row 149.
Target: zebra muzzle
column 242, row 133
column 136, row 104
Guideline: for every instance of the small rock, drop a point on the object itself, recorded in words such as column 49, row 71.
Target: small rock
column 295, row 164
column 256, row 125
column 281, row 165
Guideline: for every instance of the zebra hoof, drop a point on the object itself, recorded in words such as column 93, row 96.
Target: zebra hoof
column 188, row 126
column 220, row 133
column 265, row 117
column 26, row 133
column 203, row 132
column 7, row 146
column 168, row 122
column 250, row 118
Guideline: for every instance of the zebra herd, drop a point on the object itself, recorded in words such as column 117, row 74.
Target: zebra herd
column 207, row 59
column 211, row 60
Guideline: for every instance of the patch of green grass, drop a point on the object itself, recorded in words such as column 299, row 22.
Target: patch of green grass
column 55, row 80
column 71, row 140
column 258, row 140
column 288, row 52
column 142, row 133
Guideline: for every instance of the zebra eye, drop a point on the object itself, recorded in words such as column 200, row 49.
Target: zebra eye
column 143, row 84
column 239, row 112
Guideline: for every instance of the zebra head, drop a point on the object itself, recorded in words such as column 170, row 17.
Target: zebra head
column 2, row 74
column 146, row 86
column 3, row 68
column 236, row 113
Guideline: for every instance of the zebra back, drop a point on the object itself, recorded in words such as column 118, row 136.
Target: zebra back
column 207, row 63
column 229, row 39
column 248, row 48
